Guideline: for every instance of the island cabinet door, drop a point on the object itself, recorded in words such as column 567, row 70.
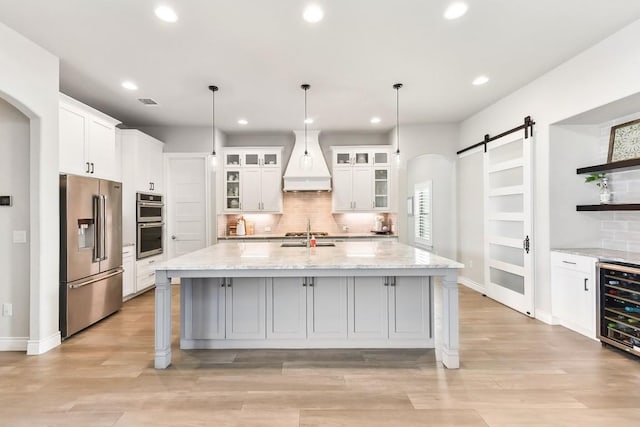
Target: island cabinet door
column 203, row 307
column 327, row 308
column 287, row 308
column 367, row 308
column 410, row 308
column 246, row 303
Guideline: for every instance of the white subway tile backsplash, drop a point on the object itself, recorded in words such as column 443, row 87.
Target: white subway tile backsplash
column 616, row 245
column 620, row 230
column 613, row 225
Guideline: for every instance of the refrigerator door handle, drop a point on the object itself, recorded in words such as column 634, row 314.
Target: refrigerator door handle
column 96, row 228
column 88, row 282
column 103, row 227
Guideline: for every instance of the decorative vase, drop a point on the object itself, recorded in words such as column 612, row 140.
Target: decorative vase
column 605, row 193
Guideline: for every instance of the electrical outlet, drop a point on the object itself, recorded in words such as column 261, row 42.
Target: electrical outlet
column 267, row 229
column 7, row 309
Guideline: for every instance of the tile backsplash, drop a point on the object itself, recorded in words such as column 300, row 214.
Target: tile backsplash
column 620, row 230
column 300, row 206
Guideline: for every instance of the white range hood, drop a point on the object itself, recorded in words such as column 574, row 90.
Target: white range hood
column 314, row 178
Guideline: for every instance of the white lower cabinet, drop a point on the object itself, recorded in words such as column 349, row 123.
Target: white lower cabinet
column 306, row 312
column 327, row 308
column 287, row 308
column 145, row 273
column 410, row 308
column 245, row 308
column 367, row 308
column 202, row 303
column 573, row 292
column 129, row 275
column 398, row 308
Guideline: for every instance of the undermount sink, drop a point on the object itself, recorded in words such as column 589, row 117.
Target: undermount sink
column 303, row 244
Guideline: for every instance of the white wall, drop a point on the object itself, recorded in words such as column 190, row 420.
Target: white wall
column 441, row 171
column 605, row 72
column 416, row 140
column 14, row 257
column 29, row 81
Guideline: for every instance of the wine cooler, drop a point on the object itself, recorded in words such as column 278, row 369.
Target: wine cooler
column 619, row 306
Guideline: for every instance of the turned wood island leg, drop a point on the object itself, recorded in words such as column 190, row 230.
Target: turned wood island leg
column 450, row 351
column 163, row 320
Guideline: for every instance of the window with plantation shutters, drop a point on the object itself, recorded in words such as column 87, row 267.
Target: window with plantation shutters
column 422, row 214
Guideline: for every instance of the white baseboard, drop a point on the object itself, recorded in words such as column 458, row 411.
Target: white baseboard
column 35, row 347
column 546, row 317
column 197, row 344
column 13, row 343
column 472, row 285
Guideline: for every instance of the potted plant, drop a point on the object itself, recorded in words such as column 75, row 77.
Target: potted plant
column 601, row 181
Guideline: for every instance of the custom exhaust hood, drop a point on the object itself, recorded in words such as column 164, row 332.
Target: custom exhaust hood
column 307, row 176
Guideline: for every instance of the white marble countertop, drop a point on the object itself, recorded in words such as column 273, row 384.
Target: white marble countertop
column 264, row 236
column 603, row 254
column 256, row 255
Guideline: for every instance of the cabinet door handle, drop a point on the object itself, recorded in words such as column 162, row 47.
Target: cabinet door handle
column 393, row 281
column 386, row 281
column 311, row 281
column 92, row 167
column 585, row 284
column 569, row 262
column 88, row 168
column 229, row 283
column 304, row 281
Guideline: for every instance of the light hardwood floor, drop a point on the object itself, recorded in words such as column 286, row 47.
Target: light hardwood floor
column 515, row 372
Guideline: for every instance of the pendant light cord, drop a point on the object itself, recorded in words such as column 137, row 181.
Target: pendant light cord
column 397, row 87
column 213, row 90
column 305, row 87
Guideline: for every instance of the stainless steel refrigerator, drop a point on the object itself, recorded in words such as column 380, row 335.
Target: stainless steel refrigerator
column 90, row 251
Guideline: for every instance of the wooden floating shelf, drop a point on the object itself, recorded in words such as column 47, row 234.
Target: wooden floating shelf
column 611, row 207
column 619, row 166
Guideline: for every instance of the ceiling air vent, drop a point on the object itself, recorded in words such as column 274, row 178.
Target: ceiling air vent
column 147, row 101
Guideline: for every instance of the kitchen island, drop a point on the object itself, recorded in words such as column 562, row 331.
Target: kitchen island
column 351, row 295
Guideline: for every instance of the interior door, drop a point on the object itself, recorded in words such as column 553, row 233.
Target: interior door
column 508, row 188
column 186, row 207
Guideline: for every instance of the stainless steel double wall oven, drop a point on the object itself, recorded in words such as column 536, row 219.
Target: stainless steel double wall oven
column 150, row 224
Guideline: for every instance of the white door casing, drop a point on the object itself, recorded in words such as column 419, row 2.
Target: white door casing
column 508, row 224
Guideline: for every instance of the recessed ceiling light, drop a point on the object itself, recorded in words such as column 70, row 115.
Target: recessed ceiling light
column 313, row 13
column 166, row 14
column 375, row 120
column 308, row 120
column 480, row 80
column 129, row 85
column 243, row 122
column 456, row 10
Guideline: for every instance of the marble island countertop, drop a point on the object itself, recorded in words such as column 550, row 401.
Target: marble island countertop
column 257, row 255
column 603, row 254
column 333, row 236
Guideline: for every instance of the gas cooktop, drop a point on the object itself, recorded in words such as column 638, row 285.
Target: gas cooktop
column 304, row 233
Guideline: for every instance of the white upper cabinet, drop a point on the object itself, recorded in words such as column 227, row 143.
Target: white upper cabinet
column 361, row 179
column 252, row 180
column 87, row 141
column 142, row 160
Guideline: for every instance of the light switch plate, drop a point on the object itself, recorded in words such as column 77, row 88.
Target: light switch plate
column 19, row 236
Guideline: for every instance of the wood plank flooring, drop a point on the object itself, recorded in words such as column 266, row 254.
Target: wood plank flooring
column 515, row 371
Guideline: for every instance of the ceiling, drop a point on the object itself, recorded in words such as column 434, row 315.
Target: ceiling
column 259, row 52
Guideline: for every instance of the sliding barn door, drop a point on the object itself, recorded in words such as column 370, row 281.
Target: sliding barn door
column 508, row 191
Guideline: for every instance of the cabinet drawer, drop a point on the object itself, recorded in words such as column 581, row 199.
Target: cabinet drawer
column 573, row 262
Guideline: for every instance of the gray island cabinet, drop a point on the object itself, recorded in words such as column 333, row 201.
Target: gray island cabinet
column 354, row 295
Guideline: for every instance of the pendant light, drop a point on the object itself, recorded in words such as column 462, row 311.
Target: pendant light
column 306, row 162
column 213, row 90
column 397, row 87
